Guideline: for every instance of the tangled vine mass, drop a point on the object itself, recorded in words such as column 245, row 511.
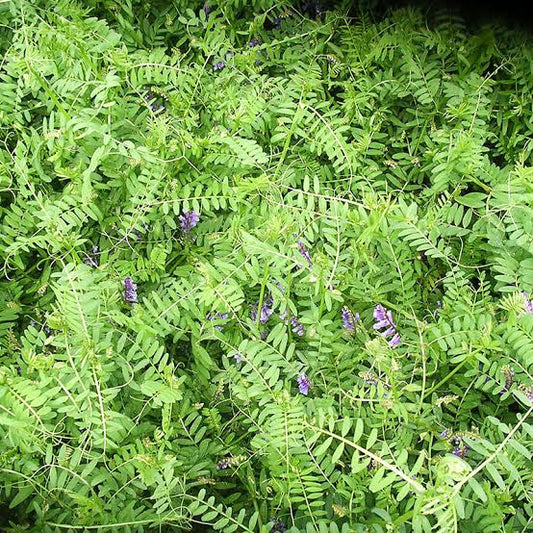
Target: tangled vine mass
column 265, row 267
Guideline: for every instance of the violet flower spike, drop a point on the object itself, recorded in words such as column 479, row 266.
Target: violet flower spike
column 265, row 314
column 460, row 451
column 528, row 304
column 305, row 253
column 129, row 293
column 303, row 383
column 509, row 376
column 214, row 316
column 384, row 319
column 527, row 390
column 223, row 464
column 92, row 259
column 349, row 319
column 297, row 327
column 219, row 66
column 277, row 526
column 188, row 220
column 266, row 311
column 395, row 341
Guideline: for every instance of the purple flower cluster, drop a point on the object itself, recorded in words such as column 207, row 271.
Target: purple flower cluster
column 188, row 220
column 129, row 294
column 277, row 526
column 508, row 373
column 444, row 434
column 305, row 253
column 369, row 378
column 527, row 390
column 223, row 464
column 238, row 358
column 297, row 327
column 303, row 383
column 384, row 320
column 150, row 98
column 219, row 66
column 138, row 235
column 461, row 451
column 349, row 319
column 528, row 304
column 254, row 42
column 266, row 311
column 217, row 316
column 92, row 260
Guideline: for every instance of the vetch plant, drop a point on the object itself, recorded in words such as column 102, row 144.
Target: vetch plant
column 327, row 207
column 385, row 322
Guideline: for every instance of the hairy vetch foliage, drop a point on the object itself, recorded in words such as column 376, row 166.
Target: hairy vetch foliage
column 266, row 266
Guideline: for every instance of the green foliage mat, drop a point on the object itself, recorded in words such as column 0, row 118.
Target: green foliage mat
column 265, row 267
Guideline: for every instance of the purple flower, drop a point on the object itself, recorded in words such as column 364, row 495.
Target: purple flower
column 527, row 390
column 528, row 304
column 219, row 66
column 223, row 465
column 277, row 526
column 157, row 107
column 129, row 293
column 384, row 320
column 134, row 231
column 395, row 341
column 238, row 358
column 369, row 378
column 214, row 316
column 303, row 383
column 297, row 327
column 508, row 372
column 349, row 319
column 92, row 259
column 188, row 220
column 150, row 98
column 305, row 253
column 444, row 434
column 266, row 311
column 254, row 42
column 206, row 9
column 264, row 335
column 460, row 451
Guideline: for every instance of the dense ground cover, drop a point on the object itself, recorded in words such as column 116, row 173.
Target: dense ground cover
column 265, row 267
